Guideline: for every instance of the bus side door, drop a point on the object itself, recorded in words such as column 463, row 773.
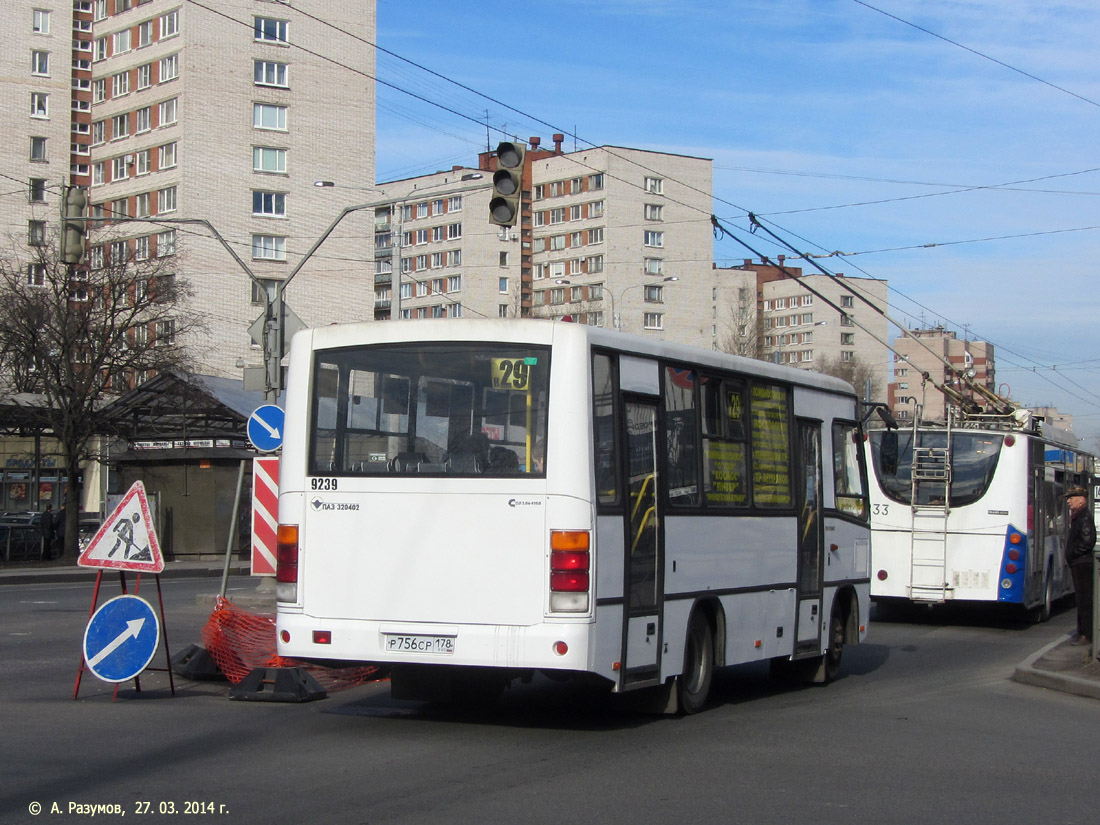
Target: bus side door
column 643, row 543
column 811, row 547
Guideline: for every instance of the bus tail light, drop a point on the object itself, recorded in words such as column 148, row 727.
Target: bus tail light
column 286, row 570
column 570, row 562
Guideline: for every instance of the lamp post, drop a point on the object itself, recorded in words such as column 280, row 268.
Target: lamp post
column 615, row 320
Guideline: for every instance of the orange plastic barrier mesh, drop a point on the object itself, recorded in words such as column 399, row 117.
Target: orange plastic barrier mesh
column 240, row 641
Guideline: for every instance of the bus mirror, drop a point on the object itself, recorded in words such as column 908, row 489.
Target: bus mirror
column 888, row 453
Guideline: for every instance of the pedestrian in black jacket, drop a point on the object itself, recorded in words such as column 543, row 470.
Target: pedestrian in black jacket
column 1079, row 543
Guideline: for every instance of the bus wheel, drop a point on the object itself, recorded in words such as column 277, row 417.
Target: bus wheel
column 1042, row 612
column 835, row 651
column 693, row 685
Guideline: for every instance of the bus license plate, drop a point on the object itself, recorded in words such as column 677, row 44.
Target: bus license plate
column 420, row 644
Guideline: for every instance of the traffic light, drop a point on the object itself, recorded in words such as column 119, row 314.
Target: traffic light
column 507, row 184
column 72, row 228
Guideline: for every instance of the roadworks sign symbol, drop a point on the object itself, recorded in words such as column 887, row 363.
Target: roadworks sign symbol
column 127, row 540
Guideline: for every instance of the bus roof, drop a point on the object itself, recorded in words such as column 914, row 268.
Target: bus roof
column 540, row 331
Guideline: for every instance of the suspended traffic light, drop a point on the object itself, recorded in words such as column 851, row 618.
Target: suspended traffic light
column 73, row 227
column 507, row 184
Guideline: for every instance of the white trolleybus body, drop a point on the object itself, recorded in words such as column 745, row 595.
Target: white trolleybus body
column 972, row 512
column 466, row 502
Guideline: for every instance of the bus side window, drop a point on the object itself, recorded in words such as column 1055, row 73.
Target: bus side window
column 681, row 437
column 603, row 437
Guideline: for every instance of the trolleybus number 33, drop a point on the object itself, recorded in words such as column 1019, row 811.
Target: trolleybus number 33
column 420, row 644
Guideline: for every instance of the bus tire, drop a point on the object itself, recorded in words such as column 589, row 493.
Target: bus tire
column 830, row 665
column 1041, row 612
column 693, row 684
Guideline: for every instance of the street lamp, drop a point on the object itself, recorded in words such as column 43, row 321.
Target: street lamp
column 615, row 320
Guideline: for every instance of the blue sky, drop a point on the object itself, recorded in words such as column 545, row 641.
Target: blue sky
column 969, row 185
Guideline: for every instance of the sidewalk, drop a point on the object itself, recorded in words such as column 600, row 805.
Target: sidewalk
column 1061, row 666
column 1058, row 666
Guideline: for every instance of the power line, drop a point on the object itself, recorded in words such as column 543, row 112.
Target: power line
column 979, row 54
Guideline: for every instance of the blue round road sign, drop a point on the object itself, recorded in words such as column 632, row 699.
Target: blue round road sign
column 121, row 638
column 265, row 428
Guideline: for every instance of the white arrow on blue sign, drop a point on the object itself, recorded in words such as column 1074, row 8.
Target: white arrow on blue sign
column 121, row 638
column 265, row 428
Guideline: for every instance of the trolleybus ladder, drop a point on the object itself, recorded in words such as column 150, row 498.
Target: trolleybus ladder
column 931, row 482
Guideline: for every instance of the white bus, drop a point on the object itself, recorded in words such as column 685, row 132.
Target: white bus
column 972, row 513
column 467, row 502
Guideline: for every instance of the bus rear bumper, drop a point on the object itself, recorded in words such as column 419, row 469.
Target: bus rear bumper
column 543, row 646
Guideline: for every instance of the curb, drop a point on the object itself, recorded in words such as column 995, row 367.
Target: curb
column 1026, row 673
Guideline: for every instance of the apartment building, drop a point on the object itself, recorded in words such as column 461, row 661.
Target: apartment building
column 930, row 351
column 227, row 113
column 811, row 321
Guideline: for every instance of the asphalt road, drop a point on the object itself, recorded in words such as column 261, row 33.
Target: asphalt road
column 924, row 725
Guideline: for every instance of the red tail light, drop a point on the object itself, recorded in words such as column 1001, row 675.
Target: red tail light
column 570, row 562
column 286, row 571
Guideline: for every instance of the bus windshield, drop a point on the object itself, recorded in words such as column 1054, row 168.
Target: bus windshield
column 458, row 409
column 973, row 461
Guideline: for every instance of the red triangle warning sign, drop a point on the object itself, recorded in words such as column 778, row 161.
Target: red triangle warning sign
column 127, row 540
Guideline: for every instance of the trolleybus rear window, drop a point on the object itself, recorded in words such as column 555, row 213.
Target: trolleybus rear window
column 973, row 459
column 451, row 409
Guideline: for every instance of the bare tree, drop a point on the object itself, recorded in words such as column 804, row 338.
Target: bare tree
column 79, row 335
column 856, row 372
column 743, row 333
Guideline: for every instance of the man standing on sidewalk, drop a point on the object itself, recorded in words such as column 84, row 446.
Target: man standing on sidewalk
column 1079, row 543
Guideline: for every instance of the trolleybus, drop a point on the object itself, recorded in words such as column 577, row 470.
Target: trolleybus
column 973, row 511
column 466, row 502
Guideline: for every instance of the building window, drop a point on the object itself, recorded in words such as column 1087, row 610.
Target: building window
column 264, row 291
column 36, row 233
column 37, row 190
column 167, row 158
column 118, row 168
column 847, row 301
column 166, row 243
column 268, row 159
column 454, row 283
column 169, row 24
column 269, row 116
column 166, row 200
column 145, row 33
column 99, row 90
column 40, row 105
column 653, row 320
column 502, row 285
column 654, row 238
column 654, row 294
column 141, row 252
column 120, row 126
column 120, row 84
column 40, row 63
column 656, row 266
column 593, row 264
column 36, row 274
column 557, row 295
column 144, row 76
column 595, row 182
column 100, row 48
column 141, row 166
column 595, row 235
column 454, row 231
column 40, row 21
column 654, row 211
column 269, row 73
column 454, row 203
column 168, row 112
column 272, row 204
column 654, row 185
column 848, row 338
column 98, row 170
column 122, row 41
column 270, row 30
column 268, row 248
column 847, row 355
column 169, row 67
column 556, row 242
column 143, row 120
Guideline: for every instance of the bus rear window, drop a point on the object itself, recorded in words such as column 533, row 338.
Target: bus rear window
column 450, row 409
column 973, row 461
